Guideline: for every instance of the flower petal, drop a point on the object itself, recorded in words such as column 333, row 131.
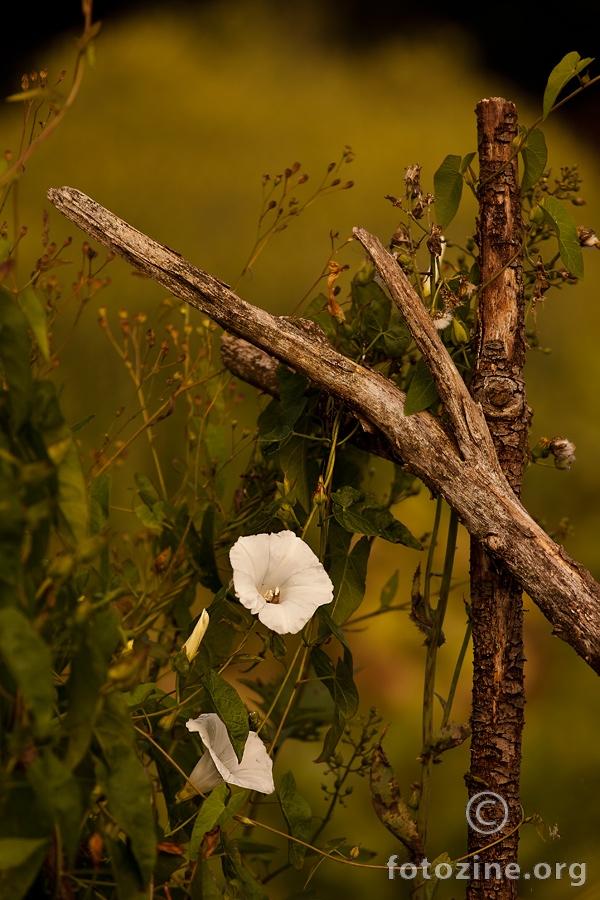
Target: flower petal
column 264, row 562
column 255, row 771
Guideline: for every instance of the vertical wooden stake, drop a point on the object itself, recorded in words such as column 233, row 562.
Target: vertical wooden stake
column 498, row 690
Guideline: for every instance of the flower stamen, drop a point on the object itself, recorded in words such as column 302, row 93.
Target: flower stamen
column 272, row 595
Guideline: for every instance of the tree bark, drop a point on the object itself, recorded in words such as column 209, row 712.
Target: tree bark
column 496, row 597
column 462, row 466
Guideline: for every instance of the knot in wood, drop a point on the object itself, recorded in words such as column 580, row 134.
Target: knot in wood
column 307, row 328
column 500, row 397
column 494, row 349
column 493, row 542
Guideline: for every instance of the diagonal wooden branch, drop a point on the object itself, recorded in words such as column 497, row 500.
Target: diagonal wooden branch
column 468, row 479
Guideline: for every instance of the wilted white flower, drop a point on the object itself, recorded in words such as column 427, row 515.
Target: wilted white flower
column 563, row 452
column 219, row 763
column 442, row 319
column 193, row 642
column 587, row 237
column 279, row 578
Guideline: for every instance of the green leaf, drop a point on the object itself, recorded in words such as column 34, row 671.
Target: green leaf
column 89, row 666
column 152, row 519
column 394, row 342
column 561, row 221
column 148, row 493
column 340, row 685
column 23, row 858
column 447, row 187
column 212, row 812
column 569, row 66
column 216, row 452
column 124, row 782
column 292, row 386
column 125, row 870
column 348, row 572
column 36, row 317
column 29, row 661
column 230, row 708
column 434, row 882
column 422, row 392
column 363, row 514
column 14, row 358
column 296, row 812
column 388, row 591
column 201, row 547
column 15, row 851
column 72, row 493
column 99, row 502
column 535, row 157
column 82, row 423
column 467, row 160
column 59, row 795
column 292, row 459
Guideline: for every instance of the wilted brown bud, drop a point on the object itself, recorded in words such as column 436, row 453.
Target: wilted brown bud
column 272, row 204
column 61, row 76
column 43, row 74
column 587, row 237
column 335, row 182
column 434, row 241
column 150, row 337
column 288, row 173
column 295, row 168
column 348, row 184
column 330, row 167
column 303, row 179
column 24, row 82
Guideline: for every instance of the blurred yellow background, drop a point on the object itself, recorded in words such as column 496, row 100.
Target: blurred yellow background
column 172, row 131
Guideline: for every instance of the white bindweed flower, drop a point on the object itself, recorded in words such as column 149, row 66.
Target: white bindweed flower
column 220, row 763
column 279, row 578
column 193, row 642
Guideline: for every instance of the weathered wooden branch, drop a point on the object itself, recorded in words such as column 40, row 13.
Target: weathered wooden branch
column 463, row 472
column 496, row 596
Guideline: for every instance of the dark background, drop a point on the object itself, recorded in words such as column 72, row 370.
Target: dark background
column 522, row 42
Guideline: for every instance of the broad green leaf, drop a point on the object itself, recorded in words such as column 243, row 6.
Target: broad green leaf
column 363, row 514
column 148, row 493
column 292, row 459
column 422, row 392
column 394, row 342
column 152, row 519
column 230, row 708
column 561, row 221
column 340, row 685
column 29, row 661
column 202, row 549
column 203, row 885
column 89, row 666
column 59, row 795
column 15, row 851
column 216, row 452
column 535, row 156
column 234, row 870
column 348, row 572
column 296, row 812
column 467, row 160
column 447, row 187
column 125, row 870
column 292, row 386
column 14, row 358
column 36, row 316
column 388, row 591
column 212, row 812
column 72, row 493
column 391, row 809
column 569, row 66
column 434, row 882
column 99, row 502
column 17, row 877
column 125, row 783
